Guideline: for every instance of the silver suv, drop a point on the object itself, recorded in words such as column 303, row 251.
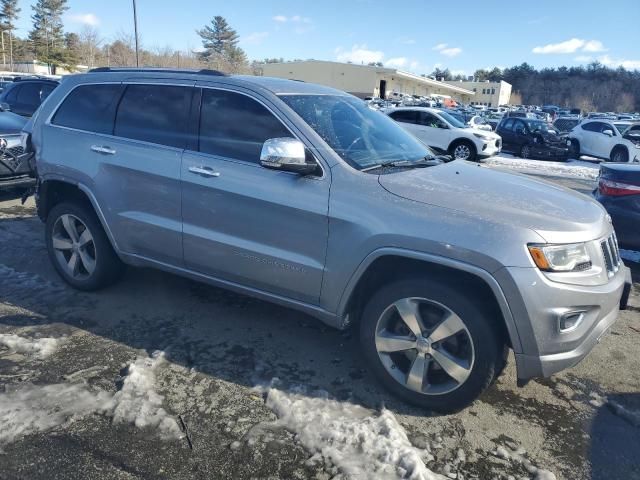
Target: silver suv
column 301, row 195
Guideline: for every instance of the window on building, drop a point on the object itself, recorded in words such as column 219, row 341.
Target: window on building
column 483, row 91
column 493, row 91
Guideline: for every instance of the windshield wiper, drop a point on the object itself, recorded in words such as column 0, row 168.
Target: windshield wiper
column 422, row 163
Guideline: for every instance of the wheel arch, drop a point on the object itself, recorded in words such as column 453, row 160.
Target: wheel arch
column 457, row 141
column 389, row 264
column 53, row 191
column 619, row 146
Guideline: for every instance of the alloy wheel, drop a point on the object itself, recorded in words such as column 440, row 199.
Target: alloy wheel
column 74, row 247
column 524, row 152
column 462, row 152
column 424, row 346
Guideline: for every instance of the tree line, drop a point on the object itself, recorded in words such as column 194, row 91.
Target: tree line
column 594, row 87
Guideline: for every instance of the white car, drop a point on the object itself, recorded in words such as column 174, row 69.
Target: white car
column 603, row 139
column 443, row 132
column 479, row 123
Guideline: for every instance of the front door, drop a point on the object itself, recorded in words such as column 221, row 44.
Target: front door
column 433, row 131
column 244, row 223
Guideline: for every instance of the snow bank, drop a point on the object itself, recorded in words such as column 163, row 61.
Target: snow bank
column 571, row 169
column 35, row 408
column 38, row 347
column 360, row 444
column 630, row 255
column 138, row 402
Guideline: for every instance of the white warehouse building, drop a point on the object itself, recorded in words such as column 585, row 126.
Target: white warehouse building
column 490, row 94
column 365, row 80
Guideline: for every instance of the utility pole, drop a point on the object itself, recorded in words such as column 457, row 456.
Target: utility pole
column 11, row 48
column 4, row 56
column 135, row 27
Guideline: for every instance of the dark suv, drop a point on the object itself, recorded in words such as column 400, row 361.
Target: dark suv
column 529, row 138
column 25, row 94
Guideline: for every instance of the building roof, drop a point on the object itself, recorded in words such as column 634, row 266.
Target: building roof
column 389, row 71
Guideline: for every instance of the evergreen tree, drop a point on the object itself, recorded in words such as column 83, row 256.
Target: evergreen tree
column 9, row 11
column 218, row 38
column 47, row 36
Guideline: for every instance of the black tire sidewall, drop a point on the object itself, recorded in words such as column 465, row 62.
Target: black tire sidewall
column 575, row 149
column 487, row 343
column 624, row 153
column 108, row 264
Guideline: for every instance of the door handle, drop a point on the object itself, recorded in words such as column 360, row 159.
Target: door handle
column 101, row 149
column 204, row 171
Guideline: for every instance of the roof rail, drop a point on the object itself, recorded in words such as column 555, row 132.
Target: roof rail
column 22, row 78
column 203, row 71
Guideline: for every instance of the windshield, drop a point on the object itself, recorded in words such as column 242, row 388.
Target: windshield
column 452, row 120
column 361, row 136
column 621, row 127
column 540, row 126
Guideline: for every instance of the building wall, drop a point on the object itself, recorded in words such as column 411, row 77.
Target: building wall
column 362, row 81
column 491, row 94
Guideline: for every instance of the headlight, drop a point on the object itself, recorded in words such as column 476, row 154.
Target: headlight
column 483, row 137
column 561, row 258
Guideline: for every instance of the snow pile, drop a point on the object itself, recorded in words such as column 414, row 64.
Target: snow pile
column 517, row 455
column 630, row 255
column 570, row 169
column 348, row 436
column 38, row 347
column 138, row 402
column 34, row 408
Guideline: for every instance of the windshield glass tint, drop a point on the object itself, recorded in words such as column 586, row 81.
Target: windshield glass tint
column 361, row 136
column 452, row 120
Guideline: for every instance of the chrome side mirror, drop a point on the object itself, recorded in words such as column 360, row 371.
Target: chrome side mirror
column 287, row 154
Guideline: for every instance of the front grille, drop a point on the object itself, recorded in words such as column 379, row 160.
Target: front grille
column 611, row 254
column 13, row 151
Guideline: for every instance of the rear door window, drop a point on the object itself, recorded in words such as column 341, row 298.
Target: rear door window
column 154, row 113
column 507, row 125
column 233, row 125
column 405, row 116
column 90, row 107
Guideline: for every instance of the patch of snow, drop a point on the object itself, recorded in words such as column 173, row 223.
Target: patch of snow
column 360, row 443
column 630, row 255
column 38, row 408
column 571, row 169
column 38, row 347
column 517, row 455
column 138, row 402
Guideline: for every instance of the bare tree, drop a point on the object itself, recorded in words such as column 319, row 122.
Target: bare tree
column 90, row 43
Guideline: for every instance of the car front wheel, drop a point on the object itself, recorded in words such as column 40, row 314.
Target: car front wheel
column 79, row 248
column 430, row 345
column 463, row 150
column 619, row 155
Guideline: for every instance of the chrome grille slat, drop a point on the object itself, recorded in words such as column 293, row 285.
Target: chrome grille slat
column 611, row 254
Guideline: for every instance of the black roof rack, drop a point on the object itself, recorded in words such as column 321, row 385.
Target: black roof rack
column 203, row 71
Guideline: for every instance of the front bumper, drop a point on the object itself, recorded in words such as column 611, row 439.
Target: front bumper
column 550, row 152
column 489, row 148
column 540, row 304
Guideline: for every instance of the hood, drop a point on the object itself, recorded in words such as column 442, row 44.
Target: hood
column 11, row 124
column 557, row 214
column 553, row 138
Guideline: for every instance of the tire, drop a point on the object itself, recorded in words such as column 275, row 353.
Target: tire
column 96, row 265
column 619, row 155
column 478, row 348
column 525, row 151
column 463, row 150
column 574, row 149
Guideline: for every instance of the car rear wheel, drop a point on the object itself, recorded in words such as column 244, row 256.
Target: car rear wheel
column 463, row 150
column 619, row 155
column 525, row 151
column 79, row 248
column 430, row 345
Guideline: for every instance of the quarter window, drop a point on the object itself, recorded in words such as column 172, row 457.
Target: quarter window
column 233, row 125
column 154, row 113
column 90, row 107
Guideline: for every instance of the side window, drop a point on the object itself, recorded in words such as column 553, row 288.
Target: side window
column 429, row 120
column 12, row 95
column 519, row 127
column 154, row 113
column 30, row 94
column 90, row 107
column 233, row 125
column 508, row 124
column 591, row 126
column 404, row 116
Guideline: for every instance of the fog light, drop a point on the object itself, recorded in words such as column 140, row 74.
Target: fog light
column 570, row 320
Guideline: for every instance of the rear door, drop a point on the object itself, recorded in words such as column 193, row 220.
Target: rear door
column 520, row 135
column 244, row 223
column 589, row 137
column 505, row 131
